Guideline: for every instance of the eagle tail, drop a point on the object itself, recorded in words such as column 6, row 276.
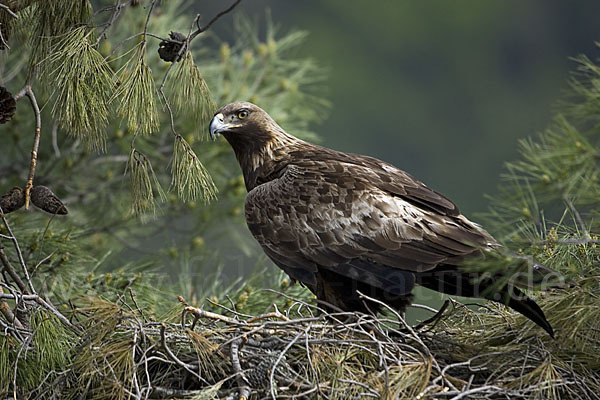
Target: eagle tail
column 453, row 282
column 529, row 308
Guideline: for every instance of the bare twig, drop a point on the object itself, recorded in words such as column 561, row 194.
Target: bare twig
column 215, row 18
column 118, row 7
column 281, row 355
column 167, row 392
column 18, row 5
column 173, row 357
column 23, row 346
column 147, row 34
column 8, row 314
column 237, row 369
column 11, row 271
column 184, row 47
column 19, row 254
column 27, row 91
column 468, row 393
column 435, row 318
column 182, row 50
column 312, row 367
column 144, row 33
column 9, row 11
column 25, row 297
column 54, row 311
column 274, row 314
column 200, row 313
column 230, row 309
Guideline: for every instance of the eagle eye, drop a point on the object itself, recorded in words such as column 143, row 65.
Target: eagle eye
column 242, row 114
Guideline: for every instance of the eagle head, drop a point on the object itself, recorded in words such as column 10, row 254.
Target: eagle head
column 242, row 121
column 257, row 140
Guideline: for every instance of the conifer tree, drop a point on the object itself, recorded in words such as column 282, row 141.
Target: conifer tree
column 128, row 127
column 103, row 112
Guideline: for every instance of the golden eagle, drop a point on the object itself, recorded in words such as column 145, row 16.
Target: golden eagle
column 341, row 223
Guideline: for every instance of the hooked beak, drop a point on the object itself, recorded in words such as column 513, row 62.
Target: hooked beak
column 217, row 125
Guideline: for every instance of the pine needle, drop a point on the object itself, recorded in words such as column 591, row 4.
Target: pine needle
column 51, row 19
column 189, row 177
column 136, row 93
column 207, row 353
column 83, row 85
column 410, row 379
column 52, row 344
column 191, row 93
column 6, row 367
column 546, row 378
column 143, row 184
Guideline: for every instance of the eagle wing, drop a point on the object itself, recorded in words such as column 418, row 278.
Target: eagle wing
column 359, row 217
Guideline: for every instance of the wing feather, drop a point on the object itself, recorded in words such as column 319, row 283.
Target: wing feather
column 346, row 214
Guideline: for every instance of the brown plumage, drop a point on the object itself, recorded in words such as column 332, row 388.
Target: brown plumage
column 341, row 222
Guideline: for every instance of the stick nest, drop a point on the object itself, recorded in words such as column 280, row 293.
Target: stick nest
column 115, row 350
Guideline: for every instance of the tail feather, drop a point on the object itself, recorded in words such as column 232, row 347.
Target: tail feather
column 454, row 282
column 529, row 308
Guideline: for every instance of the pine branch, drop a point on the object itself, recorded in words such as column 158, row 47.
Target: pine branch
column 52, row 19
column 189, row 177
column 84, row 82
column 9, row 11
column 191, row 93
column 213, row 20
column 27, row 91
column 118, row 8
column 8, row 267
column 143, row 184
column 136, row 94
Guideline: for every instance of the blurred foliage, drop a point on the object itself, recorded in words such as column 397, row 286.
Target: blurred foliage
column 107, row 148
column 547, row 204
column 442, row 89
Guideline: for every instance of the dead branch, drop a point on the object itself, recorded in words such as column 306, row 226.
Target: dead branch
column 207, row 314
column 36, row 145
column 174, row 358
column 274, row 314
column 48, row 306
column 435, row 318
column 237, row 369
column 9, row 11
column 8, row 314
column 28, row 91
column 18, row 5
column 281, row 355
column 212, row 21
column 8, row 268
column 118, row 7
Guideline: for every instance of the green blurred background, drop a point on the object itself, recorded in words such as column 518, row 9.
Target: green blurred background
column 442, row 89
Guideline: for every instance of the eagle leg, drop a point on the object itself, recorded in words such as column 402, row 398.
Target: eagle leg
column 338, row 292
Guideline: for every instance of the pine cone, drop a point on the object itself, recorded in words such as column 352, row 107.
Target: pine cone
column 13, row 200
column 258, row 377
column 169, row 51
column 43, row 198
column 8, row 105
